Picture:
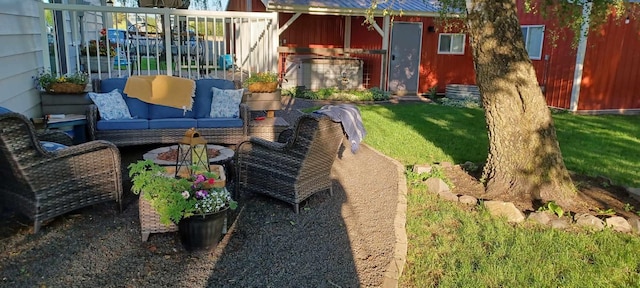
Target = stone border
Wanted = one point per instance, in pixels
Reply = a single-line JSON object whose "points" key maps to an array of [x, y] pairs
{"points": [[393, 271], [514, 215]]}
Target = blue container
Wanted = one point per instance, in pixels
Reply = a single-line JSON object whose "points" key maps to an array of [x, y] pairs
{"points": [[225, 61]]}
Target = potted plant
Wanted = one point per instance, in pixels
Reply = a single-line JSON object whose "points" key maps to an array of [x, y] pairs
{"points": [[73, 83], [196, 204], [263, 82]]}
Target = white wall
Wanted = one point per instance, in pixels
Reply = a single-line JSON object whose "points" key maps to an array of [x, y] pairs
{"points": [[20, 56]]}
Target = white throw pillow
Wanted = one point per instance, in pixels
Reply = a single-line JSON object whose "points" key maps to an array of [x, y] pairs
{"points": [[226, 103], [111, 105]]}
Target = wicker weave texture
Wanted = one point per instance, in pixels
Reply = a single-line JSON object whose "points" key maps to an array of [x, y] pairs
{"points": [[121, 138], [42, 184], [150, 220], [291, 171]]}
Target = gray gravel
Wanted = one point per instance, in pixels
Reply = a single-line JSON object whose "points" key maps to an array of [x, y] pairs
{"points": [[343, 240]]}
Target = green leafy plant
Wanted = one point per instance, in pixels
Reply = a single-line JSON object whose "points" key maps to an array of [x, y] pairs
{"points": [[178, 198], [552, 207], [332, 93], [628, 207], [44, 80], [261, 77], [432, 93], [606, 212]]}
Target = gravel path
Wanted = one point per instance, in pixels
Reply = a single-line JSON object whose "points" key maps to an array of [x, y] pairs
{"points": [[344, 240]]}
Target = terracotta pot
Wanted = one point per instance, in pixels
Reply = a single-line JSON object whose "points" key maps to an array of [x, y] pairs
{"points": [[66, 88], [263, 87]]}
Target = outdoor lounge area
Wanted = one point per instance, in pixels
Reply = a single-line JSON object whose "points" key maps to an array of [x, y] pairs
{"points": [[264, 235]]}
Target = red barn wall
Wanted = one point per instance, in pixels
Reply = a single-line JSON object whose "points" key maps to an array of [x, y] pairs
{"points": [[556, 68], [241, 5], [610, 70], [611, 77]]}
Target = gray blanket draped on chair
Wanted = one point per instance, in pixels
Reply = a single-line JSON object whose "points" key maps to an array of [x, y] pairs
{"points": [[349, 116]]}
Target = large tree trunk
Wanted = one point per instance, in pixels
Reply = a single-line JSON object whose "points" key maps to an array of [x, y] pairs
{"points": [[524, 161]]}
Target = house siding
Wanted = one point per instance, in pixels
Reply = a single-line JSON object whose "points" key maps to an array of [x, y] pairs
{"points": [[20, 26], [612, 68], [241, 5]]}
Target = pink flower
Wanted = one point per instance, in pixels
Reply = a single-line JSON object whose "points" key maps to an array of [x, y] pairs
{"points": [[185, 194], [211, 181], [199, 178]]}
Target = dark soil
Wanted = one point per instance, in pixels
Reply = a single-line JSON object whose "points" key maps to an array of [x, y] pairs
{"points": [[598, 194]]}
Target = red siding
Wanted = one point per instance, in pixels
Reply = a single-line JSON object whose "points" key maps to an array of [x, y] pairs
{"points": [[556, 68], [612, 68], [241, 5], [363, 38], [318, 31]]}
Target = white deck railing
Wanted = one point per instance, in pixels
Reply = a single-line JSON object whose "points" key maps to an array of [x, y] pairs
{"points": [[152, 41]]}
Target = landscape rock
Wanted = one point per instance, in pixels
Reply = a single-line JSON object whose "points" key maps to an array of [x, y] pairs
{"points": [[468, 200], [542, 217], [446, 164], [635, 225], [504, 209], [447, 195], [436, 185], [560, 223], [618, 223], [421, 168], [589, 221]]}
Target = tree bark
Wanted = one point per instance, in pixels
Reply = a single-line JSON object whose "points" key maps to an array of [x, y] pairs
{"points": [[524, 161]]}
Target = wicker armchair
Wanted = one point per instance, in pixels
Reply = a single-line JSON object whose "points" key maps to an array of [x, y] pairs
{"points": [[295, 167], [42, 184]]}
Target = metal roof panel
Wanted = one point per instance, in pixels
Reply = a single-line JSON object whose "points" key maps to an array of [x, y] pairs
{"points": [[407, 6]]}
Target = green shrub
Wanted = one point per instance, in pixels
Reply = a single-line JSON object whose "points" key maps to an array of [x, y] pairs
{"points": [[332, 93]]}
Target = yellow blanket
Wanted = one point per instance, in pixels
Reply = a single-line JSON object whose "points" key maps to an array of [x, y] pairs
{"points": [[162, 90]]}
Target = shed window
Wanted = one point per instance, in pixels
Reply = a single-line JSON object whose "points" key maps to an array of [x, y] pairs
{"points": [[533, 37], [451, 43]]}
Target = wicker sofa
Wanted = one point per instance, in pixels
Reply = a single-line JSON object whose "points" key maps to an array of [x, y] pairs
{"points": [[156, 124]]}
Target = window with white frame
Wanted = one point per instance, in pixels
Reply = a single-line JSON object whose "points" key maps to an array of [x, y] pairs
{"points": [[533, 37], [449, 43]]}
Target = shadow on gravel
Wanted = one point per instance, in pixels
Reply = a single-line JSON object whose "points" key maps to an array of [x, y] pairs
{"points": [[268, 245]]}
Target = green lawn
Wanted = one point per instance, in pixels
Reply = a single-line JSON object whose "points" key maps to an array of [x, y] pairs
{"points": [[427, 133], [452, 247]]}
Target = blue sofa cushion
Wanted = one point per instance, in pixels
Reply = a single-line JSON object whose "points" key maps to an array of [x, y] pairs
{"points": [[137, 108], [202, 101], [172, 123], [52, 146], [128, 124], [219, 123], [4, 110], [164, 112]]}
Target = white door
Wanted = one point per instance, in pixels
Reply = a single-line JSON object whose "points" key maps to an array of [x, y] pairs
{"points": [[404, 59]]}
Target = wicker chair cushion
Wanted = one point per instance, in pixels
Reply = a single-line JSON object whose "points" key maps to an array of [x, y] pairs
{"points": [[4, 110], [111, 105], [226, 103], [52, 146]]}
